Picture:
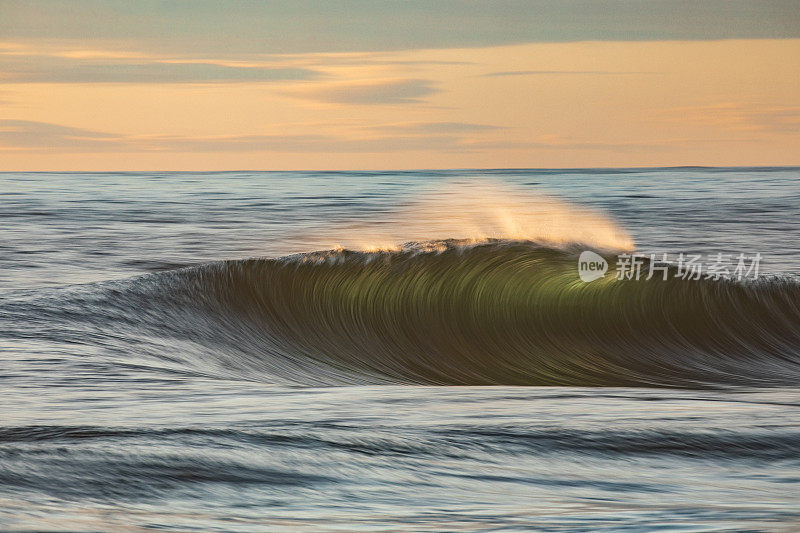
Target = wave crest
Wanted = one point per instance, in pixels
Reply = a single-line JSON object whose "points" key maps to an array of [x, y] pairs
{"points": [[479, 211]]}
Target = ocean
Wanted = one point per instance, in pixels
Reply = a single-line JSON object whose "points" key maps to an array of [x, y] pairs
{"points": [[401, 350]]}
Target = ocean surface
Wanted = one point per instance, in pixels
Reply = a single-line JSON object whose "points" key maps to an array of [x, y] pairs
{"points": [[400, 351]]}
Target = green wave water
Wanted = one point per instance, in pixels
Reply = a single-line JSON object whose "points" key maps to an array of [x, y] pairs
{"points": [[499, 312]]}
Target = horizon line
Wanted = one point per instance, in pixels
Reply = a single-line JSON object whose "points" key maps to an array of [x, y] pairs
{"points": [[443, 169]]}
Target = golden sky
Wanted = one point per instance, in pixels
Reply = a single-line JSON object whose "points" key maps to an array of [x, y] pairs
{"points": [[77, 102]]}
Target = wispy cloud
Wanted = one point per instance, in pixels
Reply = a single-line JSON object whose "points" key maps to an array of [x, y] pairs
{"points": [[557, 142], [310, 144], [423, 128], [369, 92], [738, 116], [16, 135], [37, 68], [29, 134], [35, 136], [559, 72]]}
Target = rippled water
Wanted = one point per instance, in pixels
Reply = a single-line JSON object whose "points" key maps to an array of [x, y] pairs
{"points": [[164, 365]]}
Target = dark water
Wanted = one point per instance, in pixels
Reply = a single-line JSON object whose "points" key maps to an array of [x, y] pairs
{"points": [[173, 357]]}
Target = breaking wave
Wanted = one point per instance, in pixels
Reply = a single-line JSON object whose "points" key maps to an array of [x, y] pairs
{"points": [[450, 313]]}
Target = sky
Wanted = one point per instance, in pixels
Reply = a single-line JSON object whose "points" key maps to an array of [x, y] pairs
{"points": [[215, 85]]}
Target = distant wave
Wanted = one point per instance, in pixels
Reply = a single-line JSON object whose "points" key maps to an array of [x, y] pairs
{"points": [[446, 313]]}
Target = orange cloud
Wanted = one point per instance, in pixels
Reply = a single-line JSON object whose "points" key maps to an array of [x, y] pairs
{"points": [[370, 92]]}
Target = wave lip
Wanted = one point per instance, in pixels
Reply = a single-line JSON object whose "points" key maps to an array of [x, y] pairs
{"points": [[458, 313]]}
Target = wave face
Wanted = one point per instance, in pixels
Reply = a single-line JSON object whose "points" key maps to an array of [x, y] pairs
{"points": [[449, 313]]}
